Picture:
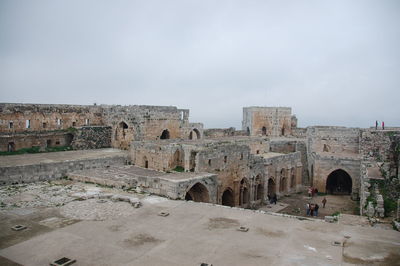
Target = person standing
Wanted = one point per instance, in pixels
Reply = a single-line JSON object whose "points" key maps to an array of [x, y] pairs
{"points": [[309, 192], [323, 202], [376, 124], [316, 210], [308, 209], [383, 125]]}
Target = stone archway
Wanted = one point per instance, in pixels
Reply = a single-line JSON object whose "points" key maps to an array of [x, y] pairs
{"points": [[271, 186], [227, 198], [339, 182], [198, 193], [194, 134], [165, 134]]}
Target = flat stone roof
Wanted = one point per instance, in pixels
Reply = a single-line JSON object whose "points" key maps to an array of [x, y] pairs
{"points": [[268, 155], [130, 171], [195, 233], [56, 157]]}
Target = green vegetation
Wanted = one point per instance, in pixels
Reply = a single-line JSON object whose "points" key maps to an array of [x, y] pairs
{"points": [[336, 213], [71, 129], [36, 149], [179, 169], [21, 151]]}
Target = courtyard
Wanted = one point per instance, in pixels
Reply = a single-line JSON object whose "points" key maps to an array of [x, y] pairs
{"points": [[97, 225]]}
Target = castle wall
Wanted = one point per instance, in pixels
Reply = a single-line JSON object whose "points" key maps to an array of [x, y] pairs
{"points": [[276, 121], [16, 118], [45, 171]]}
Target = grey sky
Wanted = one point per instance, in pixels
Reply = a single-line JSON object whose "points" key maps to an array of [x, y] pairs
{"points": [[334, 62]]}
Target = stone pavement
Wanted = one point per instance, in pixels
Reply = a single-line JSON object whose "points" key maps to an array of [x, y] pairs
{"points": [[195, 233]]}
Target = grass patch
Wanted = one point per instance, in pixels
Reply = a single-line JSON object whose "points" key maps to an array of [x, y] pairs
{"points": [[335, 214], [35, 149], [179, 169]]}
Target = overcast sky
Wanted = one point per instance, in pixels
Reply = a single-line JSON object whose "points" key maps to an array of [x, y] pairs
{"points": [[334, 62]]}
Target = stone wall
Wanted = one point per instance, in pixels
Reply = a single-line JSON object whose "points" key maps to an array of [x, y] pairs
{"points": [[17, 141], [91, 137], [50, 171], [333, 140], [15, 118], [268, 121]]}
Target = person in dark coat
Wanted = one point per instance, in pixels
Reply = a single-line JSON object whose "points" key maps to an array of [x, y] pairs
{"points": [[316, 210]]}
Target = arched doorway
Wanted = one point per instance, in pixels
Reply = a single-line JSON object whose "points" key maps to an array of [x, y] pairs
{"points": [[165, 134], [68, 139], [227, 198], [271, 186], [283, 131], [198, 193], [194, 134], [248, 131], [264, 131], [339, 182]]}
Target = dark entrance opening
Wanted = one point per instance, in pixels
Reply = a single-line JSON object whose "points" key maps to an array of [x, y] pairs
{"points": [[165, 134], [264, 131], [11, 147], [339, 182], [227, 198], [48, 143], [198, 193], [260, 192], [271, 187]]}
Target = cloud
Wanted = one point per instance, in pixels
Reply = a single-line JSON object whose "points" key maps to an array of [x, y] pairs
{"points": [[334, 63]]}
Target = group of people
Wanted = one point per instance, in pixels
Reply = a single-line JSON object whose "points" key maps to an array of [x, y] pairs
{"points": [[312, 209], [376, 125], [312, 191]]}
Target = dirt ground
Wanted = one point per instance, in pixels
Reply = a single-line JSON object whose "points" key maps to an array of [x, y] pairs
{"points": [[334, 204]]}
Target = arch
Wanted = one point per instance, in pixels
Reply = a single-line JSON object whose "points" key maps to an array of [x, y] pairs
{"points": [[123, 125], [339, 182], [165, 134], [68, 139], [283, 131], [197, 133], [11, 147], [271, 186], [264, 131], [198, 193], [227, 198]]}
